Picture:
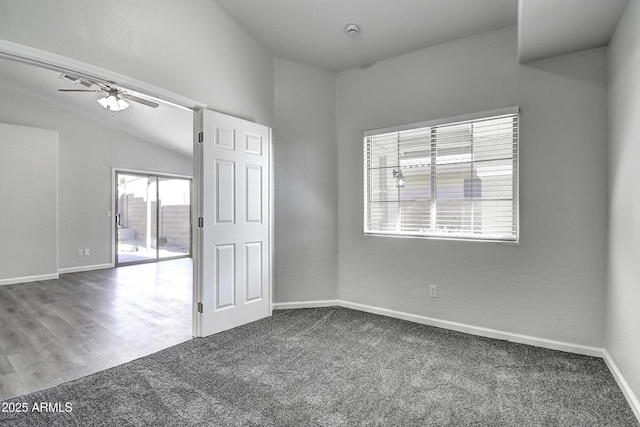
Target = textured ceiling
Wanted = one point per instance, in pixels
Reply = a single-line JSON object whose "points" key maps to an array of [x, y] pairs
{"points": [[312, 32]]}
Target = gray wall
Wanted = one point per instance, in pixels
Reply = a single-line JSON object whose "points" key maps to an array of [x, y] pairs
{"points": [[87, 152], [623, 291], [549, 286], [28, 195], [306, 191]]}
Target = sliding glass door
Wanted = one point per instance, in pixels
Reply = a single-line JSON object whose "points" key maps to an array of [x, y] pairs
{"points": [[153, 217], [174, 217]]}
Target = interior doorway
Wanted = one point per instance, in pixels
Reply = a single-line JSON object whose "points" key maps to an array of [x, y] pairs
{"points": [[153, 217], [237, 172]]}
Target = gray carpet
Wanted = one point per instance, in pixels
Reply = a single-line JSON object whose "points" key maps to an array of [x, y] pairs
{"points": [[334, 367]]}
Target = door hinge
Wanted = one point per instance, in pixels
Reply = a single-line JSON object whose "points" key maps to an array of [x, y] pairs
{"points": [[200, 222], [200, 136], [199, 307]]}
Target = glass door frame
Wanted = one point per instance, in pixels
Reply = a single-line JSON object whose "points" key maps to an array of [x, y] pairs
{"points": [[116, 172]]}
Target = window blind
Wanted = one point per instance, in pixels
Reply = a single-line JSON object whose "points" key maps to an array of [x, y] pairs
{"points": [[452, 178]]}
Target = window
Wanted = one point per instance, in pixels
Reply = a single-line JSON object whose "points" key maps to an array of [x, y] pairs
{"points": [[451, 179]]}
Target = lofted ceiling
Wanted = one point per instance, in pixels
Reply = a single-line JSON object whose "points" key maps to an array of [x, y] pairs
{"points": [[312, 32], [167, 126]]}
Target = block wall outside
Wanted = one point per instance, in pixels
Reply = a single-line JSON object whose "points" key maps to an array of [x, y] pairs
{"points": [[175, 224]]}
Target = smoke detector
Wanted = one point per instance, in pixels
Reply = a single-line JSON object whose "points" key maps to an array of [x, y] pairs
{"points": [[352, 31]]}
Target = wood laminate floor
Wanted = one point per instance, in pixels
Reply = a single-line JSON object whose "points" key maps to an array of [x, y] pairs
{"points": [[54, 331]]}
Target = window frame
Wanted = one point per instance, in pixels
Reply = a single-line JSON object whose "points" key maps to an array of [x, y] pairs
{"points": [[367, 186]]}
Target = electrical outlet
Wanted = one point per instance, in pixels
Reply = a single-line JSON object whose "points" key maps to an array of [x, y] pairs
{"points": [[433, 291], [79, 252], [87, 252]]}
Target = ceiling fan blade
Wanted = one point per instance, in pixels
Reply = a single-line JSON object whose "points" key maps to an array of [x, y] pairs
{"points": [[140, 100], [80, 90]]}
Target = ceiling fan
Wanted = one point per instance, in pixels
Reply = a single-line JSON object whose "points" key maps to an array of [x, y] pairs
{"points": [[114, 100]]}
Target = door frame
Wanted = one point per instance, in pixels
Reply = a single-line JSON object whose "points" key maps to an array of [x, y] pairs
{"points": [[114, 194]]}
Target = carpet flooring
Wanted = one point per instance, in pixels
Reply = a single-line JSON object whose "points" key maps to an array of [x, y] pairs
{"points": [[336, 367]]}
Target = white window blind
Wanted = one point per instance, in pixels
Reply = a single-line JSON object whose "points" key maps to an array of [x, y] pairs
{"points": [[452, 178]]}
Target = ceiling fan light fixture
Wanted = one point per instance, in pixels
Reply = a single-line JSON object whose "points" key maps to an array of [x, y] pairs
{"points": [[352, 31], [113, 102]]}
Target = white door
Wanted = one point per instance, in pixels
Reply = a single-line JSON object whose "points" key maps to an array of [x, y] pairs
{"points": [[233, 268]]}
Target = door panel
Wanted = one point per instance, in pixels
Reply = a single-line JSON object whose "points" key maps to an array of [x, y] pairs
{"points": [[234, 268], [225, 280], [253, 257], [253, 194], [253, 144], [225, 191]]}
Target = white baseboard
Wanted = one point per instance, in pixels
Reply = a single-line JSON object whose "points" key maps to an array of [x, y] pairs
{"points": [[622, 383], [84, 268], [305, 304], [28, 279], [38, 278], [445, 324]]}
